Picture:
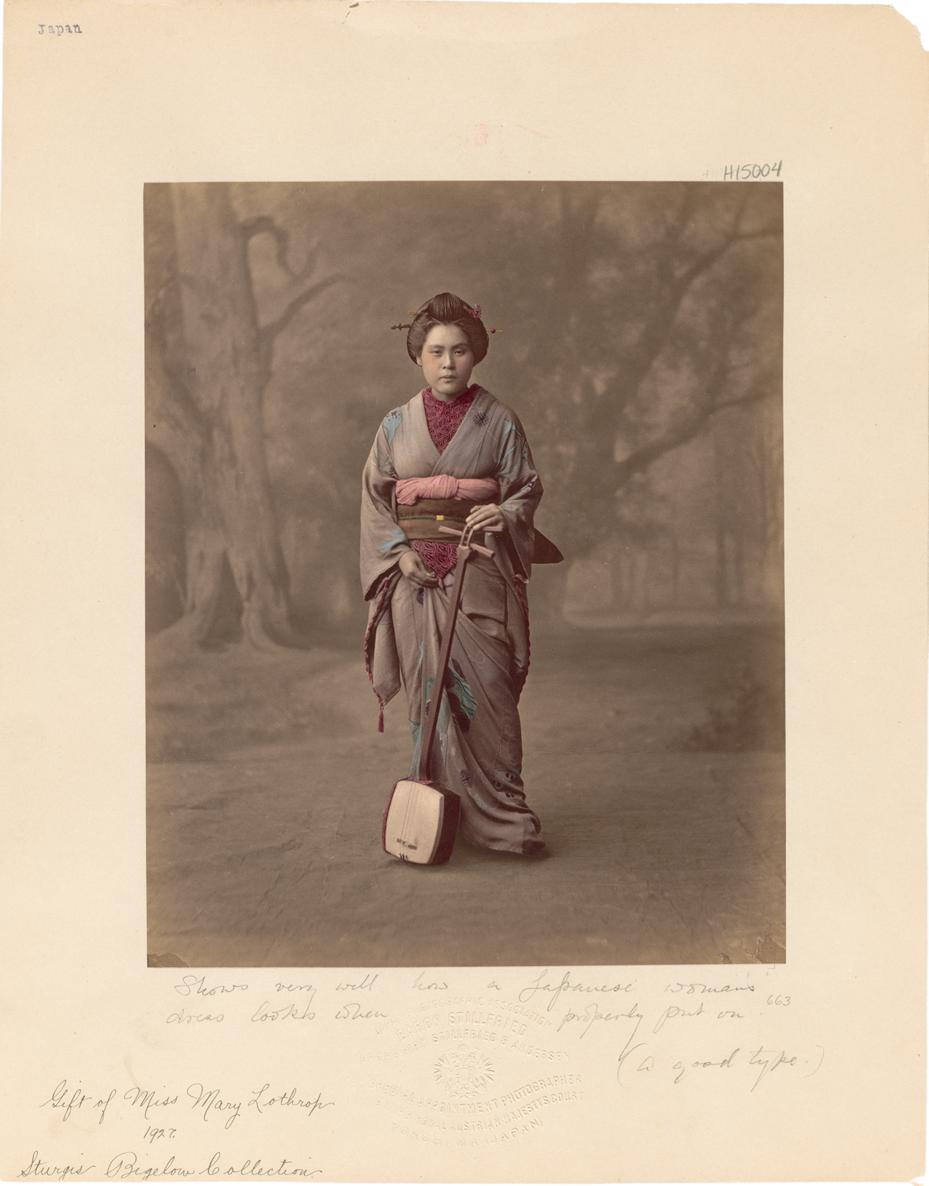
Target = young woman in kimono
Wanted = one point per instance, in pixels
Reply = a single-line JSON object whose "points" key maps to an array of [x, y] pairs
{"points": [[455, 451]]}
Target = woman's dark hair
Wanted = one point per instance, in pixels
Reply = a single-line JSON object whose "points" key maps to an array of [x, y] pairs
{"points": [[447, 309]]}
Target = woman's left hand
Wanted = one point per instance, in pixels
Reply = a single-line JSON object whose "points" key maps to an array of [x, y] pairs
{"points": [[486, 518]]}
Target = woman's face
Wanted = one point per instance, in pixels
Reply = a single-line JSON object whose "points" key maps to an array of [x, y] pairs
{"points": [[447, 361]]}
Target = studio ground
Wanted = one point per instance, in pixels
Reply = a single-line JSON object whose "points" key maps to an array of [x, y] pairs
{"points": [[652, 756]]}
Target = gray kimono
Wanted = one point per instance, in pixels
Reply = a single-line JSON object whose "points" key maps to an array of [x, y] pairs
{"points": [[478, 748]]}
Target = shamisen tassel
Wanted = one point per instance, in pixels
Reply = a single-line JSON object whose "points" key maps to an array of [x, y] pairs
{"points": [[380, 718]]}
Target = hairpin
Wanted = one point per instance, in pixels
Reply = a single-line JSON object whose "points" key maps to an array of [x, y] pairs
{"points": [[408, 325], [476, 312]]}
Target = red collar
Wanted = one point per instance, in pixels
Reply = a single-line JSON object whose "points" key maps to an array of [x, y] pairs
{"points": [[468, 391]]}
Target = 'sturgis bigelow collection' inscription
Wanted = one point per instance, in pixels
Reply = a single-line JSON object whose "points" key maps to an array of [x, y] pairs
{"points": [[440, 1065]]}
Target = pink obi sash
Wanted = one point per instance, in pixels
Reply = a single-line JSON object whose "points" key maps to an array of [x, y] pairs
{"points": [[444, 486]]}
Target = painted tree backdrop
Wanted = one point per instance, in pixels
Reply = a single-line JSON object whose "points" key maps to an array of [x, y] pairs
{"points": [[639, 341]]}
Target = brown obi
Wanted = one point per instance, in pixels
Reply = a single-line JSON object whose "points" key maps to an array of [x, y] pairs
{"points": [[422, 519]]}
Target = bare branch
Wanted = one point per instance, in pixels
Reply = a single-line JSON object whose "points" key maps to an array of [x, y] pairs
{"points": [[269, 332], [703, 264], [263, 224], [740, 214], [763, 232], [755, 396], [678, 227], [689, 425], [656, 332]]}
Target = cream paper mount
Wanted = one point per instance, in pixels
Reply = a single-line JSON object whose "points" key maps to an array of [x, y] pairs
{"points": [[797, 1057]]}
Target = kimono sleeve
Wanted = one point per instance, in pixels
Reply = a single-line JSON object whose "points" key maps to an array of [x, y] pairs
{"points": [[520, 491], [383, 541]]}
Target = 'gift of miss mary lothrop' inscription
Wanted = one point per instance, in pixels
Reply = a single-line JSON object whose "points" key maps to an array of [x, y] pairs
{"points": [[155, 1116], [445, 1062]]}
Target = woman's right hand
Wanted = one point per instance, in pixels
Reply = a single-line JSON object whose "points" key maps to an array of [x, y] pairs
{"points": [[413, 568]]}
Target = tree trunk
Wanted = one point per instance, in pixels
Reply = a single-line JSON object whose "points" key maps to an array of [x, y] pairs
{"points": [[206, 566], [617, 575], [231, 519], [720, 519], [640, 579], [738, 560]]}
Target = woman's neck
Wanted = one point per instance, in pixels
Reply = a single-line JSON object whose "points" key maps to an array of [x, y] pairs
{"points": [[449, 399]]}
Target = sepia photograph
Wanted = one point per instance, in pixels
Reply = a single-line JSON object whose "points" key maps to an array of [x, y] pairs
{"points": [[520, 442]]}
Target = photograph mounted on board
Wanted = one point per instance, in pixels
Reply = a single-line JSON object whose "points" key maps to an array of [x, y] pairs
{"points": [[546, 418]]}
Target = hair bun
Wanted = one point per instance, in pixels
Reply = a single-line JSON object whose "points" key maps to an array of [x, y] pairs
{"points": [[445, 308]]}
